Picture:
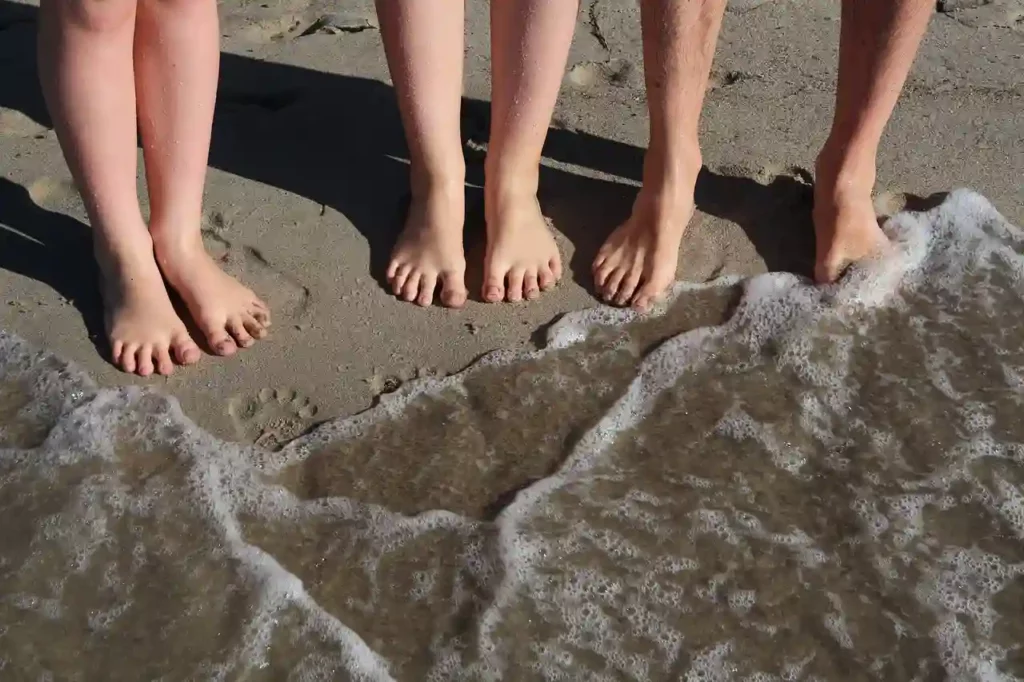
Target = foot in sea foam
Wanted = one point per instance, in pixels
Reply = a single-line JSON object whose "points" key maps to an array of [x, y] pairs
{"points": [[845, 226]]}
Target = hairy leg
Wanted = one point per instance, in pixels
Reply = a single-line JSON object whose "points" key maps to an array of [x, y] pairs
{"points": [[878, 42]]}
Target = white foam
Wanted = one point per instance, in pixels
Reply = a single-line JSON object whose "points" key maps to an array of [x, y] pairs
{"points": [[812, 333]]}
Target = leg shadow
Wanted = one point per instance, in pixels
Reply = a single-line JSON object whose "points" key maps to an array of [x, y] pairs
{"points": [[54, 249]]}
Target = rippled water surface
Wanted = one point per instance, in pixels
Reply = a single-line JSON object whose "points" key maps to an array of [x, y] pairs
{"points": [[768, 481]]}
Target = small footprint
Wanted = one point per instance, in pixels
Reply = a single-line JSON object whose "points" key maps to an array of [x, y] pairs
{"points": [[272, 417], [285, 293], [616, 72], [51, 192]]}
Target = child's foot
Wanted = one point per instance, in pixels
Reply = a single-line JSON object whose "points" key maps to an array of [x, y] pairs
{"points": [[145, 332], [429, 250], [846, 229], [522, 257], [229, 315], [638, 262]]}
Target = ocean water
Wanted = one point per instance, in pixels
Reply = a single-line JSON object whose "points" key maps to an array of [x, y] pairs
{"points": [[766, 481]]}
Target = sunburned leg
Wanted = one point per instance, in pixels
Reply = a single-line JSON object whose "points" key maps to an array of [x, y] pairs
{"points": [[638, 262], [176, 62], [529, 48], [85, 59], [879, 39], [423, 43]]}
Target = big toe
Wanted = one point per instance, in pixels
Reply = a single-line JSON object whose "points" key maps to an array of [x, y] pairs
{"points": [[184, 350], [494, 287], [453, 289], [652, 290]]}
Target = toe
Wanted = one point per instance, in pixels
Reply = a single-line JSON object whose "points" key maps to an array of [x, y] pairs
{"points": [[427, 285], [128, 352], [515, 284], [601, 259], [612, 283], [651, 291], [116, 350], [494, 287], [555, 264], [220, 342], [531, 287], [411, 288], [236, 327], [392, 270], [546, 278], [628, 286], [398, 281], [260, 312], [453, 289], [253, 326], [184, 350], [602, 273], [144, 360], [164, 365]]}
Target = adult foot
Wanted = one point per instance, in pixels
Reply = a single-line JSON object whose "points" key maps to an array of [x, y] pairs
{"points": [[637, 263], [146, 335], [845, 226], [229, 315], [429, 250], [522, 257]]}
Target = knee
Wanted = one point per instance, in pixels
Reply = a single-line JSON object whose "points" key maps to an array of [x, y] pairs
{"points": [[97, 16]]}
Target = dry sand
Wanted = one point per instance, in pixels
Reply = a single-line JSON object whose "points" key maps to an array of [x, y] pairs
{"points": [[308, 176]]}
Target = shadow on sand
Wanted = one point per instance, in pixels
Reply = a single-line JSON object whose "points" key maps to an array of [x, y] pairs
{"points": [[337, 140]]}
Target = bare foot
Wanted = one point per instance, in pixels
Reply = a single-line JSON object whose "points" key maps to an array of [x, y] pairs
{"points": [[430, 251], [846, 229], [145, 332], [229, 315], [637, 263], [522, 257]]}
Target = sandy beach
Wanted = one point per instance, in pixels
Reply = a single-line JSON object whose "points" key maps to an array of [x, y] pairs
{"points": [[308, 179], [764, 481]]}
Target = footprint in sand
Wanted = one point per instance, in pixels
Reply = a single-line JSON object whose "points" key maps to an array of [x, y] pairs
{"points": [[616, 72], [50, 192], [272, 417], [289, 299]]}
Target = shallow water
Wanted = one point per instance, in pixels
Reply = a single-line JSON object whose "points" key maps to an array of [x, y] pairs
{"points": [[768, 481]]}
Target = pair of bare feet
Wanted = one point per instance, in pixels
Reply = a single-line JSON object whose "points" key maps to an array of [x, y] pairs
{"points": [[638, 262], [145, 331], [521, 261], [635, 266]]}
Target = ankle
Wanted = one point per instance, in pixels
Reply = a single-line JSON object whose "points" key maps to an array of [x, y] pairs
{"points": [[441, 180], [845, 168], [669, 170], [174, 247], [506, 177]]}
